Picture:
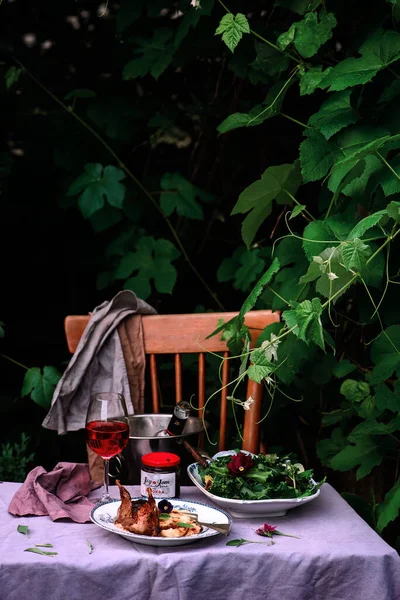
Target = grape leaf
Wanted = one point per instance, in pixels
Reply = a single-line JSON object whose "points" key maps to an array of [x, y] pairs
{"points": [[80, 93], [40, 385], [309, 34], [343, 368], [152, 261], [379, 51], [127, 13], [355, 391], [190, 19], [96, 184], [232, 27], [366, 223], [388, 510], [385, 354], [259, 113], [307, 319], [156, 55], [334, 114], [243, 268], [330, 275], [385, 399], [355, 254], [258, 288], [116, 116], [180, 196], [299, 6], [388, 180], [258, 197], [317, 237], [317, 155], [366, 452], [311, 79]]}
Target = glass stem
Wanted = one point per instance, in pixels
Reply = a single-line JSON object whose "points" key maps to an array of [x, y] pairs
{"points": [[106, 478]]}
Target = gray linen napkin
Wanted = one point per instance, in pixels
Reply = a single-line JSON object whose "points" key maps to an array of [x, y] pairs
{"points": [[98, 364], [60, 493]]}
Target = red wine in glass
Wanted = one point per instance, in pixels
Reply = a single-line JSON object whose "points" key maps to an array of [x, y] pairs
{"points": [[107, 429]]}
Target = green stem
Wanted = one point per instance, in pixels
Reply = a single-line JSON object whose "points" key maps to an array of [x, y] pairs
{"points": [[293, 119], [260, 37], [285, 85], [133, 177], [383, 159], [15, 362], [298, 203], [277, 295]]}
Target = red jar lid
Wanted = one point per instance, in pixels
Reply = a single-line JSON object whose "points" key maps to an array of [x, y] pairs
{"points": [[161, 459]]}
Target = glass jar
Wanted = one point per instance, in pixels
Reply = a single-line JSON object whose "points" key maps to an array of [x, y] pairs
{"points": [[161, 472]]}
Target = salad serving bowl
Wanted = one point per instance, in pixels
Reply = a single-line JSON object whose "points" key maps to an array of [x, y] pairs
{"points": [[248, 508]]}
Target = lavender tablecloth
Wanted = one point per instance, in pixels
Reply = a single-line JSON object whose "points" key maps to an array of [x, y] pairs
{"points": [[339, 557]]}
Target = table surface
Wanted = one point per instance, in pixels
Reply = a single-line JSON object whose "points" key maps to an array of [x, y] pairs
{"points": [[338, 557]]}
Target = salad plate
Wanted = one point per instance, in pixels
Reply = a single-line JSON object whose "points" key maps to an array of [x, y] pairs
{"points": [[242, 509], [105, 514]]}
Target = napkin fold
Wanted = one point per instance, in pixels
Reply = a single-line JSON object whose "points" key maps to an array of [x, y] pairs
{"points": [[60, 493]]}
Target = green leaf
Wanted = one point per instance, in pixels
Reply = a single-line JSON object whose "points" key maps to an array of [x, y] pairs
{"points": [[311, 79], [298, 209], [317, 237], [258, 288], [299, 6], [259, 113], [388, 510], [367, 453], [156, 55], [11, 76], [258, 197], [307, 319], [24, 529], [116, 116], [128, 13], [379, 51], [337, 416], [43, 545], [90, 546], [261, 367], [355, 391], [80, 93], [232, 27], [180, 196], [243, 268], [366, 223], [42, 552], [96, 184], [393, 211], [334, 114], [355, 254], [151, 261], [317, 155], [385, 354], [309, 34], [389, 182], [40, 385], [330, 275], [328, 448], [268, 62], [343, 368], [391, 92], [370, 427], [239, 542], [294, 356], [385, 399]]}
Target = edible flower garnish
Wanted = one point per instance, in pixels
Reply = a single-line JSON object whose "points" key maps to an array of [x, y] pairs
{"points": [[270, 530], [164, 506], [239, 463]]}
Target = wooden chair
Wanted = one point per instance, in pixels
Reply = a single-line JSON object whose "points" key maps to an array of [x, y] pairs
{"points": [[183, 334]]}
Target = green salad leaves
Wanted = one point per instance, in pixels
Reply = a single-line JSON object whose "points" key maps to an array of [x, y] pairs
{"points": [[257, 477]]}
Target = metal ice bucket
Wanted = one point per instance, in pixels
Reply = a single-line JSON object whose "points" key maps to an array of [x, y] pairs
{"points": [[143, 439]]}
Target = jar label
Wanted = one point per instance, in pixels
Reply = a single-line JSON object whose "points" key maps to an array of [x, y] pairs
{"points": [[163, 485]]}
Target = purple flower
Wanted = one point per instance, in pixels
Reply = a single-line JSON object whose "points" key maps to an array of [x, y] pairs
{"points": [[239, 463], [164, 506], [266, 530]]}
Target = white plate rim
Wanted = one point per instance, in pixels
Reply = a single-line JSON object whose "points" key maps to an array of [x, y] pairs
{"points": [[158, 540]]}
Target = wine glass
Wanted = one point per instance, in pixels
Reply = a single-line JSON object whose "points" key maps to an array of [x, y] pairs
{"points": [[107, 429]]}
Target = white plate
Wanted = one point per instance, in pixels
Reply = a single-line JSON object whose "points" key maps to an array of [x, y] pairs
{"points": [[105, 515], [248, 508]]}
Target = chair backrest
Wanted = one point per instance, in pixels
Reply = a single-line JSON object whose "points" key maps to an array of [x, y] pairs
{"points": [[186, 333]]}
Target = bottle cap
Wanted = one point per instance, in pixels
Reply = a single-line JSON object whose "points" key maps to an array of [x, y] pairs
{"points": [[161, 459], [182, 409]]}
